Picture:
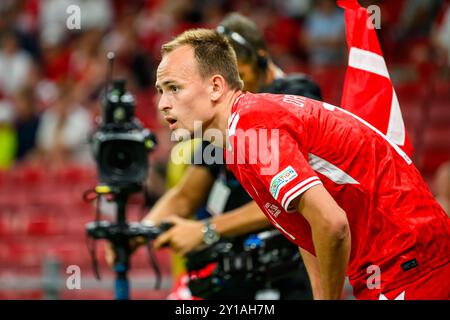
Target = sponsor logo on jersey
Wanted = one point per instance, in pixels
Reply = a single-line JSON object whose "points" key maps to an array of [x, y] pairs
{"points": [[409, 264], [272, 209], [281, 179]]}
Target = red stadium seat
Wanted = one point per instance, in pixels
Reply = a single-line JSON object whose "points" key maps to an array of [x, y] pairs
{"points": [[33, 294], [45, 225], [432, 158], [437, 136], [439, 113]]}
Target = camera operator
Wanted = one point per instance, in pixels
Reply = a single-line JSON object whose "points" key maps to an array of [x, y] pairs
{"points": [[234, 214]]}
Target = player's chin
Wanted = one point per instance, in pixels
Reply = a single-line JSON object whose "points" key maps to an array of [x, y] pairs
{"points": [[181, 134]]}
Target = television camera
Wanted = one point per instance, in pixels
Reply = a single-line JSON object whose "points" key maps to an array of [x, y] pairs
{"points": [[120, 148]]}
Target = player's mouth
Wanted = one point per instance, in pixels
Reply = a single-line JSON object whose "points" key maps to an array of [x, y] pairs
{"points": [[172, 122]]}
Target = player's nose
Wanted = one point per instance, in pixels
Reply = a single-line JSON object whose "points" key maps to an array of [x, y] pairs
{"points": [[164, 104]]}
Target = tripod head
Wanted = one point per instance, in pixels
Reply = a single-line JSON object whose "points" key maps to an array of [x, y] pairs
{"points": [[120, 234]]}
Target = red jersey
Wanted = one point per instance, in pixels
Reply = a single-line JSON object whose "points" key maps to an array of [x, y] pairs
{"points": [[282, 145]]}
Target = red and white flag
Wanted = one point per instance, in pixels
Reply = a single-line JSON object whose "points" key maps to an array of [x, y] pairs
{"points": [[368, 91]]}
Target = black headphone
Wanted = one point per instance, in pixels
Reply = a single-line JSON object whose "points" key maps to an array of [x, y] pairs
{"points": [[261, 60]]}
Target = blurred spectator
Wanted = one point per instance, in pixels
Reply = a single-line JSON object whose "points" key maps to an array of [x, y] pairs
{"points": [[55, 61], [154, 26], [87, 66], [294, 8], [123, 40], [441, 36], [53, 17], [413, 30], [63, 131], [282, 33], [45, 90], [417, 18], [7, 135], [15, 64], [324, 34], [26, 121], [21, 16], [442, 186]]}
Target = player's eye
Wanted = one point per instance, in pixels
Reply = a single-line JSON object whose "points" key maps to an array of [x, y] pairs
{"points": [[174, 88]]}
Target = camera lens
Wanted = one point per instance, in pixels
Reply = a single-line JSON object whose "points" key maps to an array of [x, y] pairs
{"points": [[119, 156], [120, 160]]}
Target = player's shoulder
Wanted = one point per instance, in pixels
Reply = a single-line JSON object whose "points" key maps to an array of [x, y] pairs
{"points": [[259, 109], [255, 102]]}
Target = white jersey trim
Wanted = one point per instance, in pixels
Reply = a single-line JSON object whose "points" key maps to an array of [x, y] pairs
{"points": [[329, 170], [396, 147], [296, 188], [231, 118], [298, 193], [401, 296], [233, 125]]}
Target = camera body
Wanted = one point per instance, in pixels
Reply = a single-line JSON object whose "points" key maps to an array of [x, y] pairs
{"points": [[261, 260], [121, 145]]}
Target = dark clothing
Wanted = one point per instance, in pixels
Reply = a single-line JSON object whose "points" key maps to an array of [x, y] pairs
{"points": [[237, 196], [26, 136], [295, 84]]}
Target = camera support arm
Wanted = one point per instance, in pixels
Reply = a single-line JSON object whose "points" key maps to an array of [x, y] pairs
{"points": [[120, 234]]}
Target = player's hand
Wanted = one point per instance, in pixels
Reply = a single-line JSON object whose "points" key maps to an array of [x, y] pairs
{"points": [[184, 236], [110, 255]]}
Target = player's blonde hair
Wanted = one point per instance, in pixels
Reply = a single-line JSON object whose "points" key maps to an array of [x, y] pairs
{"points": [[213, 53]]}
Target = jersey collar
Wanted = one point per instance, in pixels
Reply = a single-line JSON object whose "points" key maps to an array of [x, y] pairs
{"points": [[233, 108]]}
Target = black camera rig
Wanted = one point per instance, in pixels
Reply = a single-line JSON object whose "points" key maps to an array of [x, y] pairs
{"points": [[120, 147], [262, 258]]}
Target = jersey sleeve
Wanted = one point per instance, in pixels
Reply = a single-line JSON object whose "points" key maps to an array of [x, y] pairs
{"points": [[279, 161]]}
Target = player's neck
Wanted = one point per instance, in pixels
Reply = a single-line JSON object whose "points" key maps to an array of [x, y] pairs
{"points": [[223, 113]]}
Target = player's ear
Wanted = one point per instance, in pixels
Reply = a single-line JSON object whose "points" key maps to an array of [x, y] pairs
{"points": [[217, 88]]}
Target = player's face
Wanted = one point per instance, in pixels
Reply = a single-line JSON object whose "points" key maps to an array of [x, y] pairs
{"points": [[249, 76], [184, 97]]}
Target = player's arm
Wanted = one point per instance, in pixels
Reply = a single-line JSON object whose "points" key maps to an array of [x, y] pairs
{"points": [[187, 235], [245, 219], [331, 238], [186, 197]]}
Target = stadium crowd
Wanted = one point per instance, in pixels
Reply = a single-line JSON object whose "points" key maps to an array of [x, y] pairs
{"points": [[52, 74]]}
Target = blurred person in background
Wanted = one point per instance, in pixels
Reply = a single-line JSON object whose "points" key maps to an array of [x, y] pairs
{"points": [[87, 65], [413, 30], [441, 36], [123, 40], [26, 121], [324, 34], [63, 131], [53, 16], [416, 19], [15, 63], [442, 186], [8, 141]]}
